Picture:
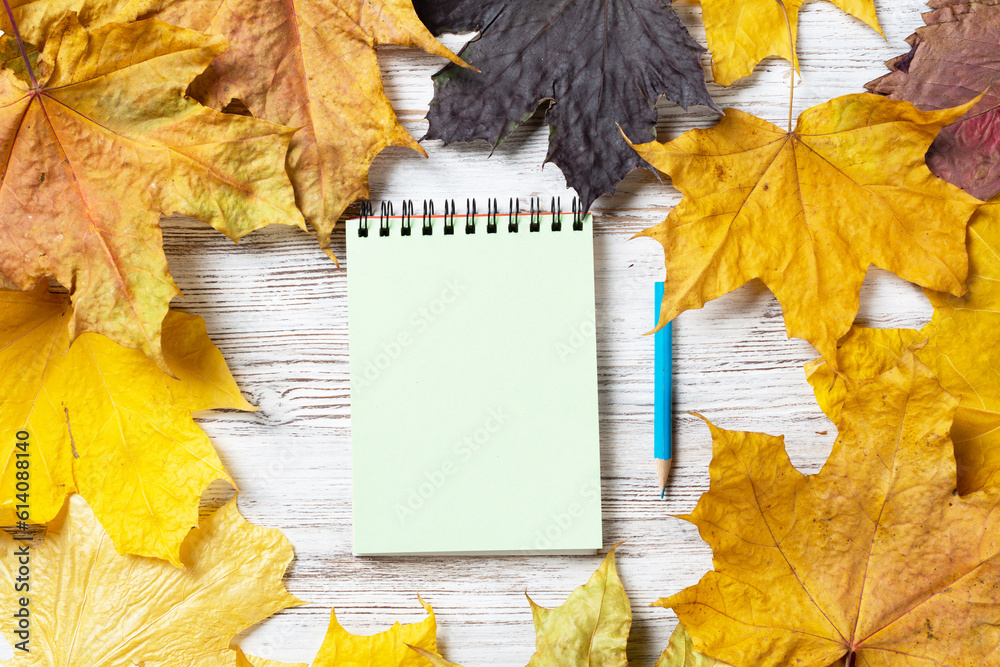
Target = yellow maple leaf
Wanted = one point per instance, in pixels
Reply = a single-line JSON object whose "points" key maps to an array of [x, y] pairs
{"points": [[36, 18], [399, 646], [101, 146], [680, 653], [960, 349], [590, 628], [390, 648], [88, 605], [103, 420], [311, 64], [874, 558], [741, 33], [807, 212], [244, 660], [434, 659]]}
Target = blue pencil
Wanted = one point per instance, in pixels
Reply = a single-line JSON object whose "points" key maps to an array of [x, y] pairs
{"points": [[663, 358]]}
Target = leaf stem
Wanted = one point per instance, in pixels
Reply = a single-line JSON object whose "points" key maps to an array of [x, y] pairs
{"points": [[20, 45], [791, 46]]}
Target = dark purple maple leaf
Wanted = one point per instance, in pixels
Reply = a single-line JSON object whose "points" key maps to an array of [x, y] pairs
{"points": [[952, 59], [599, 63]]}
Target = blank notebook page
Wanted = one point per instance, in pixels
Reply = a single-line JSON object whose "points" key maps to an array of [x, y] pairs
{"points": [[474, 418]]}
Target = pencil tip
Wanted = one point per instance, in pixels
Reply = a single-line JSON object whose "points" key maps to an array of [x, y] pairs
{"points": [[662, 474]]}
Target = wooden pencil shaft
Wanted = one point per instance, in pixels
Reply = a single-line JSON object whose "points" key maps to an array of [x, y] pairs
{"points": [[663, 385]]}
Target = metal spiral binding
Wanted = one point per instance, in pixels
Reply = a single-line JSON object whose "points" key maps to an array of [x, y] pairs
{"points": [[383, 221], [407, 227], [366, 213], [449, 218], [426, 228], [470, 220], [492, 215]]}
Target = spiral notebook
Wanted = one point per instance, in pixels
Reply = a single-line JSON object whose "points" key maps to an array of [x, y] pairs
{"points": [[474, 418]]}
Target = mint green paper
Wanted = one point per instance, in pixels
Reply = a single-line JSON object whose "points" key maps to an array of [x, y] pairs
{"points": [[474, 418]]}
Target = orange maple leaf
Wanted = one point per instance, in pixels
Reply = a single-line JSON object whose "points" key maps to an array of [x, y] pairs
{"points": [[101, 144], [875, 557], [36, 18], [311, 64]]}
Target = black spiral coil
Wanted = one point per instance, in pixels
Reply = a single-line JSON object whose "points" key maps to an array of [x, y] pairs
{"points": [[492, 215], [383, 221], [364, 216]]}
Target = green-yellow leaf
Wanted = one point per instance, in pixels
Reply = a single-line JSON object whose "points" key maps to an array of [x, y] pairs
{"points": [[590, 628], [680, 653]]}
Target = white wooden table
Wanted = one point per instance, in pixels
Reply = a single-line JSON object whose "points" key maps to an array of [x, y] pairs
{"points": [[277, 308]]}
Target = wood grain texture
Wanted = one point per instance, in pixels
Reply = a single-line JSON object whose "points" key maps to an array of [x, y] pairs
{"points": [[277, 308]]}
